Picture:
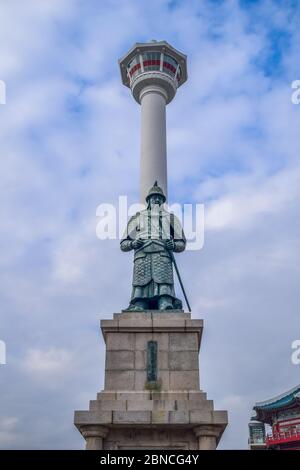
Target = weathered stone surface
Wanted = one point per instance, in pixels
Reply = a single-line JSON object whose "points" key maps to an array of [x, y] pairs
{"points": [[160, 416], [170, 316], [220, 417], [197, 395], [192, 324], [119, 360], [141, 341], [179, 417], [163, 324], [183, 342], [134, 321], [183, 360], [184, 380], [163, 360], [92, 417], [164, 377], [104, 395], [168, 405], [143, 317], [201, 416], [140, 379], [170, 395], [194, 405], [140, 405], [140, 361], [119, 380], [132, 417], [120, 341], [107, 405], [133, 395], [109, 324], [160, 438], [162, 341]]}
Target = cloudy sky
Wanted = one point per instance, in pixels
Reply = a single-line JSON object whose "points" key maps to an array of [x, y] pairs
{"points": [[69, 136]]}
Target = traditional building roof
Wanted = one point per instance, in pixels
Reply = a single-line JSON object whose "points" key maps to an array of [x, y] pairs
{"points": [[265, 409]]}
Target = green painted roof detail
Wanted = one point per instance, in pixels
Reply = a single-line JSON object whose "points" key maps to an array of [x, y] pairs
{"points": [[280, 401]]}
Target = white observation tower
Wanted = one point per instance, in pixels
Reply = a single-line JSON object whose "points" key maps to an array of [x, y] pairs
{"points": [[153, 71]]}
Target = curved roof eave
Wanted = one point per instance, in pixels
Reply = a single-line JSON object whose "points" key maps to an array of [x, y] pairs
{"points": [[279, 401]]}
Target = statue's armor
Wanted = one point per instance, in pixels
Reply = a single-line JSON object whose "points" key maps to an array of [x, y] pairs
{"points": [[153, 272], [152, 263]]}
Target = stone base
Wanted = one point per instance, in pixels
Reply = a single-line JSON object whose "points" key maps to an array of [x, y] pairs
{"points": [[133, 413]]}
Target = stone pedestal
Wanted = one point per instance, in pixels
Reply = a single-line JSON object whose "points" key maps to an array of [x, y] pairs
{"points": [[151, 400]]}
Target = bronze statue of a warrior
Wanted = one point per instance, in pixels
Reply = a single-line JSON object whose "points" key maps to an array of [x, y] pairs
{"points": [[153, 234]]}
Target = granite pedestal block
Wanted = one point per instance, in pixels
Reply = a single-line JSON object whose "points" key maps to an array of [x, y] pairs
{"points": [[169, 412]]}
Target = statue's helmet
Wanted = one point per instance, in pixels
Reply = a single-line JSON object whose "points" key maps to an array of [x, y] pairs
{"points": [[155, 190]]}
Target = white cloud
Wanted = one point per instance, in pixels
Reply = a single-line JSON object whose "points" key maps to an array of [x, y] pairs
{"points": [[49, 361], [8, 427], [255, 199]]}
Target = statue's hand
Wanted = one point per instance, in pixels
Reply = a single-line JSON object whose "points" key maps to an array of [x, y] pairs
{"points": [[170, 245], [137, 243]]}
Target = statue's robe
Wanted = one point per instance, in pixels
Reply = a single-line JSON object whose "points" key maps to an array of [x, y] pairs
{"points": [[153, 270]]}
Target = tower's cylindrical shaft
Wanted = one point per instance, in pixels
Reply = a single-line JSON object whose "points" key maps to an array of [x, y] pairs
{"points": [[153, 165]]}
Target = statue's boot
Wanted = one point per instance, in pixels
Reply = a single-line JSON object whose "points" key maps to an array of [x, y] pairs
{"points": [[138, 306], [165, 302]]}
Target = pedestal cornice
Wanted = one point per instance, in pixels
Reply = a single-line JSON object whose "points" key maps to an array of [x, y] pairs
{"points": [[153, 321]]}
